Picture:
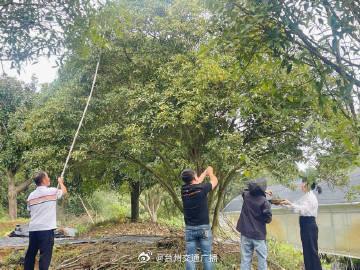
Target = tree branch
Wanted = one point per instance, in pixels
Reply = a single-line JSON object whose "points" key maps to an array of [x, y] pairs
{"points": [[160, 180], [314, 51]]}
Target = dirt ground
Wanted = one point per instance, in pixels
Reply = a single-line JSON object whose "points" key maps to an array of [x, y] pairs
{"points": [[123, 226], [165, 254], [168, 253]]}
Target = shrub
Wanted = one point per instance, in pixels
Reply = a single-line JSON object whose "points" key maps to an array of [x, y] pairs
{"points": [[3, 213], [109, 204], [284, 256]]}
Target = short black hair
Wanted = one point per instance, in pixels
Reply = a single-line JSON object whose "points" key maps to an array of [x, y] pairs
{"points": [[312, 186], [188, 175], [317, 187], [39, 176]]}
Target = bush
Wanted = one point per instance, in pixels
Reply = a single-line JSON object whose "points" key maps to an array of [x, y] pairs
{"points": [[15, 258], [109, 204], [284, 256], [3, 213], [82, 229], [175, 222]]}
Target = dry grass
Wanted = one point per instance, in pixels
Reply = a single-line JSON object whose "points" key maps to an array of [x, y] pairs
{"points": [[8, 226]]}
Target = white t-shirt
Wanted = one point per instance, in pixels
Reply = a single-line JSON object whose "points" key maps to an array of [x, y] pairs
{"points": [[42, 206], [306, 206]]}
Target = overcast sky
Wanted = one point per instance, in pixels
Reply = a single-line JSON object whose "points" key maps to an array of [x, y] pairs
{"points": [[44, 70]]}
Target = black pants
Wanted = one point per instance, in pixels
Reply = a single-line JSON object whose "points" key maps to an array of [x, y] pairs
{"points": [[43, 241], [309, 238]]}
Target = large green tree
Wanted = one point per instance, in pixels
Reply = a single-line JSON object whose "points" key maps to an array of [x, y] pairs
{"points": [[16, 101], [322, 35], [29, 29], [195, 114], [162, 106]]}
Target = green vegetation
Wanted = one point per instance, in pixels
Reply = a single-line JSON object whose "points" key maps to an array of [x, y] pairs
{"points": [[248, 87], [41, 29], [7, 226], [175, 222], [284, 256], [175, 91], [3, 213]]}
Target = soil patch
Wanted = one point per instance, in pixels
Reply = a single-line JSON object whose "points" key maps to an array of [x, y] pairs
{"points": [[124, 226]]}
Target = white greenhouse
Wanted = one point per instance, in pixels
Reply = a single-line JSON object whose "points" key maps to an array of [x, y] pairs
{"points": [[338, 219]]}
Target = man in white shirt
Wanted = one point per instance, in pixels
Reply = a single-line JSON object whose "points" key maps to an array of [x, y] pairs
{"points": [[42, 206]]}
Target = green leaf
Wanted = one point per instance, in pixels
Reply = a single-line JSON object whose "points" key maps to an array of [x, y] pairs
{"points": [[308, 123]]}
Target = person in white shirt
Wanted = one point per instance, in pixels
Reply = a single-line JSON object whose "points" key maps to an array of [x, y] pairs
{"points": [[42, 206], [307, 208]]}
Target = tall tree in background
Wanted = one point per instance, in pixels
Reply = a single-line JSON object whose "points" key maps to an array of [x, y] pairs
{"points": [[29, 29], [323, 35], [16, 101]]}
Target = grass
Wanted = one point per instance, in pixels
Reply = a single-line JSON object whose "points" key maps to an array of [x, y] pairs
{"points": [[284, 256], [7, 226], [175, 222]]}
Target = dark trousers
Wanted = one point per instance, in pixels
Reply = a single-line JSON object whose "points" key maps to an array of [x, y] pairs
{"points": [[43, 241], [309, 238]]}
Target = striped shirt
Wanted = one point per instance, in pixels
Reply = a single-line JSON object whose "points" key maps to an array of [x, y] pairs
{"points": [[42, 206]]}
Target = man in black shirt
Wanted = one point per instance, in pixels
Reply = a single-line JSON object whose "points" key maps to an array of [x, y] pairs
{"points": [[196, 216]]}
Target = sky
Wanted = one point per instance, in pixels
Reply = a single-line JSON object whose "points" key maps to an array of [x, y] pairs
{"points": [[44, 70]]}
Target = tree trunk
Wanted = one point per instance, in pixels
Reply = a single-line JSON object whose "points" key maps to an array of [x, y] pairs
{"points": [[135, 196], [162, 182], [154, 217], [12, 196], [215, 223], [151, 202], [220, 196], [13, 191]]}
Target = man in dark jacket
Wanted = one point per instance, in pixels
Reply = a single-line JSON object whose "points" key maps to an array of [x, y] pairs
{"points": [[255, 213]]}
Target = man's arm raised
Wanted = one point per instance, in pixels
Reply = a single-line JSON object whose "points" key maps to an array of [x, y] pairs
{"points": [[62, 187], [213, 178], [202, 176]]}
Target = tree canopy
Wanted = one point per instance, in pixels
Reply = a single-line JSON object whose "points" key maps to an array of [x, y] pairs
{"points": [[16, 101], [245, 86], [29, 29], [322, 35]]}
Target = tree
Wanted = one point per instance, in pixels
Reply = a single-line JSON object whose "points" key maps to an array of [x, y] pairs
{"points": [[162, 106], [29, 29], [16, 100], [324, 36], [317, 33], [197, 114], [151, 201]]}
